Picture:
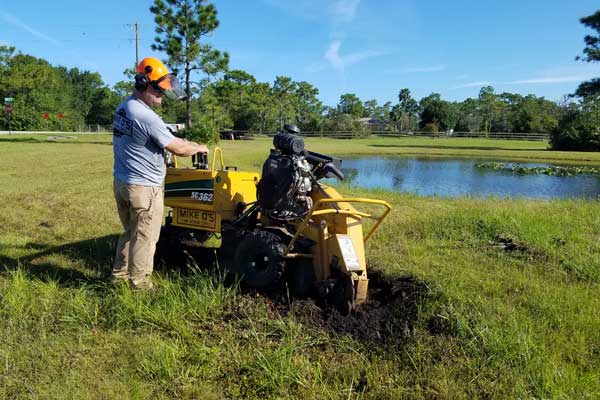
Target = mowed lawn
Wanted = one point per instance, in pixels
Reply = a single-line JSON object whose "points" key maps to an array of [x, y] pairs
{"points": [[492, 298]]}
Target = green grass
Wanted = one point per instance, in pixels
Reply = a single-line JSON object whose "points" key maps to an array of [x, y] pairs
{"points": [[492, 324]]}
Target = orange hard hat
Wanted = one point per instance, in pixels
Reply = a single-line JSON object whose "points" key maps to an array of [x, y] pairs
{"points": [[153, 68], [151, 72]]}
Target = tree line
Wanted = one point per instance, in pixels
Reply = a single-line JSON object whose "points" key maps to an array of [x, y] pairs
{"points": [[40, 90], [234, 99]]}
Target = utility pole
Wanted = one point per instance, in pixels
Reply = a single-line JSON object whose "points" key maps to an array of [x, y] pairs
{"points": [[137, 41]]}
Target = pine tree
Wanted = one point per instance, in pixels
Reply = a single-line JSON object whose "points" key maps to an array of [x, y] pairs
{"points": [[591, 53], [180, 26]]}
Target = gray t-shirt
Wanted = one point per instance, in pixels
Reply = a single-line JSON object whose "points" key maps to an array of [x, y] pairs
{"points": [[139, 139]]}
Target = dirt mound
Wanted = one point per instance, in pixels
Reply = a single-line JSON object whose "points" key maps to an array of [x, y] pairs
{"points": [[386, 318]]}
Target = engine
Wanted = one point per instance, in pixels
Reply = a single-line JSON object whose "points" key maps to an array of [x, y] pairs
{"points": [[284, 189], [290, 174]]}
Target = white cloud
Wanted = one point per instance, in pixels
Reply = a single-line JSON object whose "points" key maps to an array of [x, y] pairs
{"points": [[337, 13], [551, 79], [473, 84], [11, 19], [332, 55], [572, 69], [341, 62], [543, 80]]}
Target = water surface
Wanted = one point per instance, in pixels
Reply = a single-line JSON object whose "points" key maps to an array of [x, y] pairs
{"points": [[452, 177]]}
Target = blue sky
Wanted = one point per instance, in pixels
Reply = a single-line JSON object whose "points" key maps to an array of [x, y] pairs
{"points": [[369, 47]]}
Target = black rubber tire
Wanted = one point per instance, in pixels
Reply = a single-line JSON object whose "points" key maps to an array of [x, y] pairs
{"points": [[169, 250], [259, 260]]}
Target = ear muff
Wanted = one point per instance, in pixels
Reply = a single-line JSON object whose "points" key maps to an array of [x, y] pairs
{"points": [[141, 82]]}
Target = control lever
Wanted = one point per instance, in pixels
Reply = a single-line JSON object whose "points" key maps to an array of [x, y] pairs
{"points": [[200, 160]]}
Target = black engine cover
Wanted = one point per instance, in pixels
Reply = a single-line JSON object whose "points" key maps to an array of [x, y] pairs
{"points": [[276, 181]]}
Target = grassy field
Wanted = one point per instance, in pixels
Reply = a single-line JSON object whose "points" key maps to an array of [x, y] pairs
{"points": [[493, 298]]}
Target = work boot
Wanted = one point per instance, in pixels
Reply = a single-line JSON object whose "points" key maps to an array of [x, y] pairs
{"points": [[117, 279], [145, 285]]}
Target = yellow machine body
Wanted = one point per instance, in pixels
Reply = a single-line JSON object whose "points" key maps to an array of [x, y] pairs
{"points": [[205, 199], [202, 199], [336, 227]]}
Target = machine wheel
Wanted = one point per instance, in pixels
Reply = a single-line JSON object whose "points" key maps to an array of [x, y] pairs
{"points": [[259, 260], [169, 249]]}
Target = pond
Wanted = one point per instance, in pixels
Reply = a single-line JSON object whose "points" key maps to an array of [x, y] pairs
{"points": [[461, 177]]}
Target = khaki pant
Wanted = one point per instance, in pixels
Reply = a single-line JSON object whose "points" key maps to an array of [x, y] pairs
{"points": [[140, 211]]}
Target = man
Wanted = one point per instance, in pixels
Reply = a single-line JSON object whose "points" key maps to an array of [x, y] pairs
{"points": [[139, 139]]}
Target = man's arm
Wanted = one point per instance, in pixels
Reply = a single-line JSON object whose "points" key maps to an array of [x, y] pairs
{"points": [[181, 147]]}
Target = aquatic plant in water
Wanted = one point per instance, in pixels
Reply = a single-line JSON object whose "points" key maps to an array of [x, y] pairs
{"points": [[552, 170]]}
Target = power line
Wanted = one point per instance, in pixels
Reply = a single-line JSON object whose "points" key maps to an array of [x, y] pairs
{"points": [[88, 38]]}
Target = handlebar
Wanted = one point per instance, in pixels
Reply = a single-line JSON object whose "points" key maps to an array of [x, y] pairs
{"points": [[200, 160], [314, 211]]}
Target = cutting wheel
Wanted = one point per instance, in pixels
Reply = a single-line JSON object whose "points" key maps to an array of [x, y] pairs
{"points": [[342, 295]]}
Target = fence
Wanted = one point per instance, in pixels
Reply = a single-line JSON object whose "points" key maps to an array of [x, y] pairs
{"points": [[350, 135], [95, 128], [531, 136]]}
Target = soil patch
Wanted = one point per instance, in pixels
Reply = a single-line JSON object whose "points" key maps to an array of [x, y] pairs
{"points": [[386, 318]]}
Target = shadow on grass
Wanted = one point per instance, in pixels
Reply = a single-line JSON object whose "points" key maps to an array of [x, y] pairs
{"points": [[433, 146], [94, 255], [21, 140]]}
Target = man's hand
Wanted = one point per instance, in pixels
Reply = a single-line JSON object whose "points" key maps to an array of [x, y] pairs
{"points": [[202, 148], [181, 147]]}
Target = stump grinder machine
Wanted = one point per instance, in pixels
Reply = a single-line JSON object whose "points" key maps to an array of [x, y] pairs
{"points": [[281, 229]]}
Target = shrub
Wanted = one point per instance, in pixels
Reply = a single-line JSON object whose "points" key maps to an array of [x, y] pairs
{"points": [[204, 131], [579, 129], [431, 127]]}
